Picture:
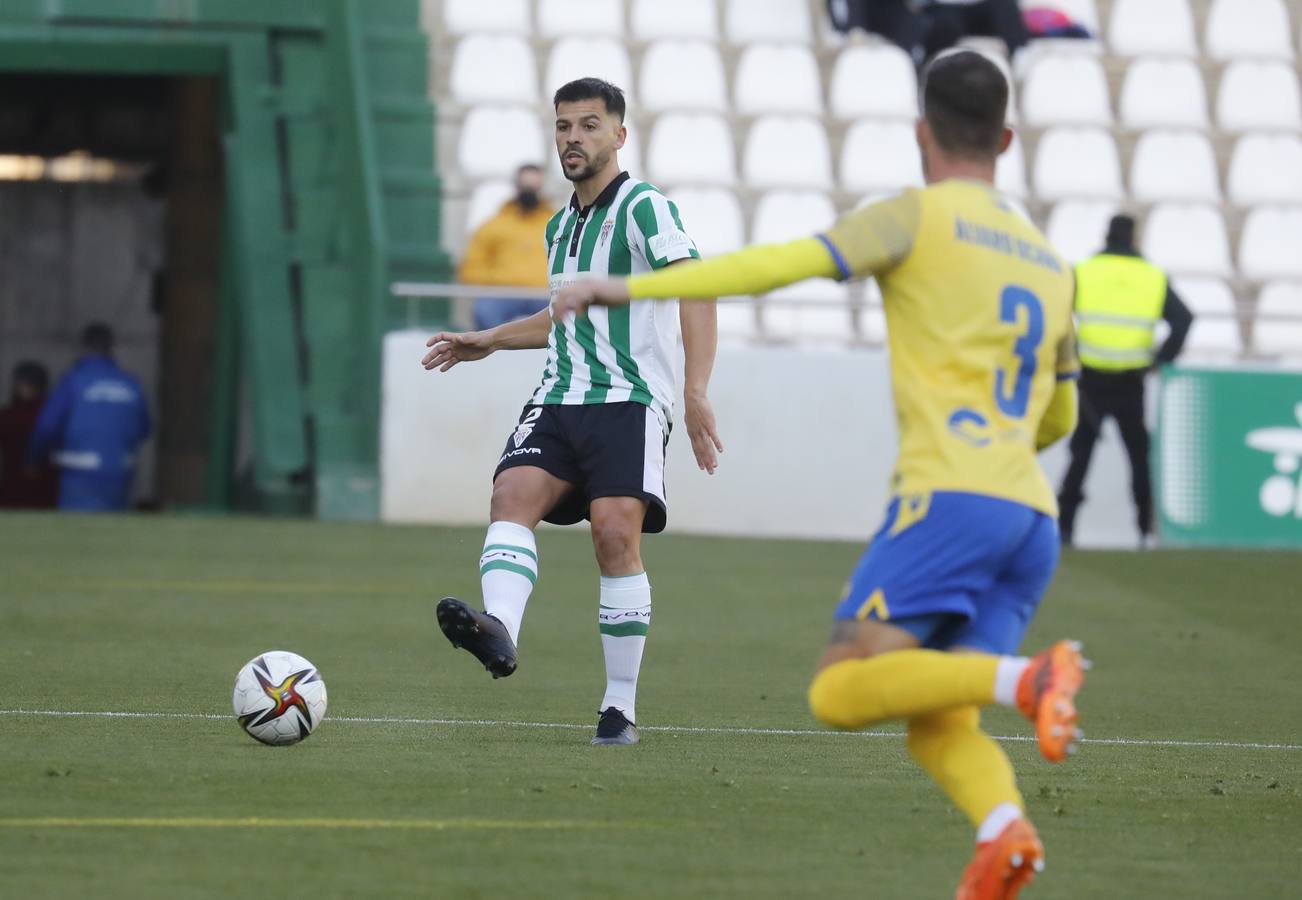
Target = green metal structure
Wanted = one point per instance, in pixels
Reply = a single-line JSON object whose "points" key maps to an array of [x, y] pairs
{"points": [[331, 194]]}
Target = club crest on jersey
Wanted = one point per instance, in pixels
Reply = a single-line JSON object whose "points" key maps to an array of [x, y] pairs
{"points": [[606, 228]]}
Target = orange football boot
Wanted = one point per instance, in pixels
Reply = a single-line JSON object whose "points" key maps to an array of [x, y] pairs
{"points": [[1046, 694], [1002, 867]]}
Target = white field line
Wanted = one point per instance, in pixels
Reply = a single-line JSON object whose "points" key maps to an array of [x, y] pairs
{"points": [[672, 729]]}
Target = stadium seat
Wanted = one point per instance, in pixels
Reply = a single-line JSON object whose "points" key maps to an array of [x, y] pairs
{"points": [[683, 75], [565, 18], [483, 153], [1269, 246], [784, 216], [493, 68], [1010, 170], [1259, 96], [873, 81], [1076, 228], [630, 155], [1164, 93], [750, 21], [1066, 89], [787, 152], [1266, 168], [485, 200], [1239, 28], [693, 148], [880, 157], [1210, 297], [1188, 239], [777, 78], [1215, 333], [1152, 28], [1077, 163], [1174, 165], [1277, 328], [712, 216], [465, 16], [579, 57], [657, 19]]}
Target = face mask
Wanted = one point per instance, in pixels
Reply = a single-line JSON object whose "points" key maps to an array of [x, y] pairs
{"points": [[528, 200]]}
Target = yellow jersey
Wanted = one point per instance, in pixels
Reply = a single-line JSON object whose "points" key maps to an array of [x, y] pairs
{"points": [[979, 324]]}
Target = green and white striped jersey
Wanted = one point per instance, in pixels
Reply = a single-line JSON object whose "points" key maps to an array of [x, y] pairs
{"points": [[626, 353]]}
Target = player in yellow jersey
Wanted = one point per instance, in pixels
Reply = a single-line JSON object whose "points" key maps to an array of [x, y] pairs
{"points": [[978, 309]]}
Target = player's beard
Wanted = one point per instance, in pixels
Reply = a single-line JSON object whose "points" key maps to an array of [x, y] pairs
{"points": [[592, 167]]}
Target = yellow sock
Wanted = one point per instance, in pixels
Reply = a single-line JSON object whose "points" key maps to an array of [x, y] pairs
{"points": [[855, 693], [964, 761]]}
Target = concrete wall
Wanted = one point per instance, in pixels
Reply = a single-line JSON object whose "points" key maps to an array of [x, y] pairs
{"points": [[809, 438]]}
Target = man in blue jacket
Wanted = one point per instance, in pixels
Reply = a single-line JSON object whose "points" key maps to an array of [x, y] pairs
{"points": [[93, 423]]}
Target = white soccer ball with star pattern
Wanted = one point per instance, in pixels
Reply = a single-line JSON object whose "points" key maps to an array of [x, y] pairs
{"points": [[279, 698]]}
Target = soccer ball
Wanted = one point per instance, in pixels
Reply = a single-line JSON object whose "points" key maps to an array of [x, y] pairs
{"points": [[279, 697]]}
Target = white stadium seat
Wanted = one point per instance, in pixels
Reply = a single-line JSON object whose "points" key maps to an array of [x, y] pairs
{"points": [[493, 68], [496, 140], [683, 75], [1277, 329], [784, 216], [580, 57], [1010, 170], [1164, 93], [748, 21], [656, 19], [564, 18], [778, 78], [1077, 163], [712, 216], [1238, 28], [1076, 228], [1259, 96], [485, 200], [1152, 28], [1215, 333], [1174, 165], [873, 81], [630, 155], [1269, 246], [787, 151], [880, 156], [691, 148], [1188, 239], [1266, 168], [465, 16], [1066, 89]]}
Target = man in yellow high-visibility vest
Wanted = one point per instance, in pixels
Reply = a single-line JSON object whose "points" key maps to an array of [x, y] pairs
{"points": [[1120, 297]]}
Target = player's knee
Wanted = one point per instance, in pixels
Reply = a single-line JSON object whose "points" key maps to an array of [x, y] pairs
{"points": [[616, 543]]}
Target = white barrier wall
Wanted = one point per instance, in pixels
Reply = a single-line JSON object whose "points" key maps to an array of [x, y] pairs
{"points": [[809, 438]]}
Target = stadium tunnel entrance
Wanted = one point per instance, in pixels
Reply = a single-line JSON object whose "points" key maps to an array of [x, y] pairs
{"points": [[277, 174], [111, 207]]}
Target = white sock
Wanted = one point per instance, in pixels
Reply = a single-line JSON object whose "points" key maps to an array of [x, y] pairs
{"points": [[507, 573], [997, 821], [624, 619], [1007, 675]]}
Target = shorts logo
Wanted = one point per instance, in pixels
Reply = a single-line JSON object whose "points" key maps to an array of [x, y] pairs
{"points": [[525, 428], [526, 451]]}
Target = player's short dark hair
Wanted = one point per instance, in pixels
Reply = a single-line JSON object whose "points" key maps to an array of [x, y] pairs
{"points": [[32, 374], [97, 338], [965, 100], [592, 89]]}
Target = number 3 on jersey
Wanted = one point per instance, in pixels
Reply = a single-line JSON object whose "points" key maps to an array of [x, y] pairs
{"points": [[1013, 400]]}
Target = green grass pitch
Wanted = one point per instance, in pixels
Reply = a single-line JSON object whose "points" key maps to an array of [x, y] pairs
{"points": [[1200, 649]]}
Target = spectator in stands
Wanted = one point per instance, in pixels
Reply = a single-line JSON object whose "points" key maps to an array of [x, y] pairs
{"points": [[1050, 22], [945, 22], [23, 486], [93, 423], [507, 251], [1119, 298], [895, 20]]}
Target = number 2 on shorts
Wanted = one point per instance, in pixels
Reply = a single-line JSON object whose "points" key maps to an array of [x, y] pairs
{"points": [[1013, 403]]}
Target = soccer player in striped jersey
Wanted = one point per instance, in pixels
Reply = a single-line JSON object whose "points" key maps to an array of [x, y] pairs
{"points": [[590, 443], [979, 317]]}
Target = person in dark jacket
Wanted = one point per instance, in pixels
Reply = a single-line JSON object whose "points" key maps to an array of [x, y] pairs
{"points": [[23, 486], [1120, 297], [92, 424]]}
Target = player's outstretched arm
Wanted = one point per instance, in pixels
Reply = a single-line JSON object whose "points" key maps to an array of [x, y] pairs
{"points": [[447, 348]]}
